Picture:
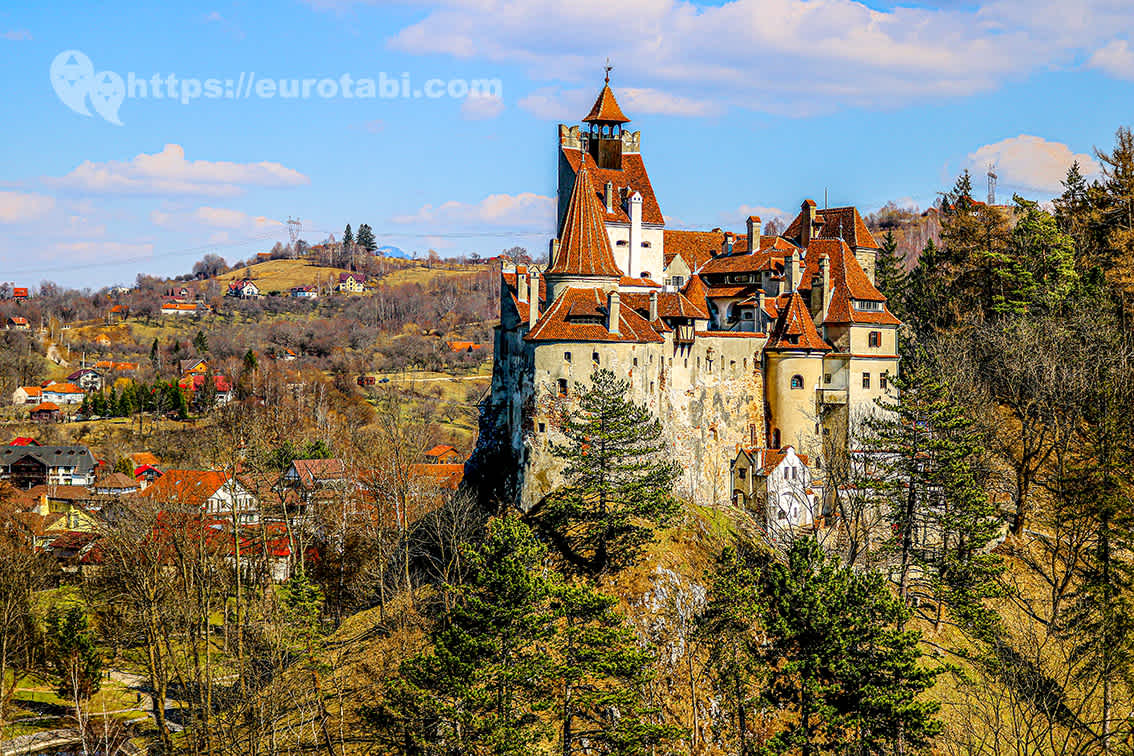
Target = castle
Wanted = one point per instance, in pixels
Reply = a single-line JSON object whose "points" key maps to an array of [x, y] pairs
{"points": [[736, 341]]}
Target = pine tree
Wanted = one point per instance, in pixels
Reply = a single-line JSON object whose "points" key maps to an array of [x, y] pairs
{"points": [[155, 357], [727, 629], [366, 239], [927, 304], [72, 653], [200, 343], [618, 485], [602, 675], [841, 670], [348, 238], [1116, 220], [928, 457], [482, 684], [890, 274]]}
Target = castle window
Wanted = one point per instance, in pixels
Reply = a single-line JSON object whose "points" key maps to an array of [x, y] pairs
{"points": [[651, 386], [827, 378], [645, 244], [621, 243], [594, 357], [566, 356], [875, 338], [635, 362], [732, 365], [865, 305], [677, 280], [797, 381], [866, 380], [542, 427], [776, 438], [562, 384], [883, 381], [742, 472], [745, 363]]}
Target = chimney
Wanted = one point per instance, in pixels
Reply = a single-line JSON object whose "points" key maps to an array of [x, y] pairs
{"points": [[653, 306], [521, 288], [635, 235], [608, 196], [614, 311], [760, 306], [41, 508], [825, 268], [552, 251], [753, 233], [726, 243], [533, 299], [807, 215]]}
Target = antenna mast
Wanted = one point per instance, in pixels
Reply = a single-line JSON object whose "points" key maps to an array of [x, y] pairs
{"points": [[293, 227], [992, 183]]}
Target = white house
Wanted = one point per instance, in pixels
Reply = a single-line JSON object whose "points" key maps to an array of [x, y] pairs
{"points": [[776, 485], [63, 393], [209, 492], [243, 289]]}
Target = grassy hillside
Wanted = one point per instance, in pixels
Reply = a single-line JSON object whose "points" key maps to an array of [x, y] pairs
{"points": [[281, 275]]}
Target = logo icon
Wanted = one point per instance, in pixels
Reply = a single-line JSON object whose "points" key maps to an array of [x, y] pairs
{"points": [[75, 82]]}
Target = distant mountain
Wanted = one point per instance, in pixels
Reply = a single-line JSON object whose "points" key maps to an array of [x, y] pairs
{"points": [[389, 251]]}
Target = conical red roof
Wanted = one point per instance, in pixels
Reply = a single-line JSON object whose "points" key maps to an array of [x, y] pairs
{"points": [[605, 109], [584, 249], [795, 329]]}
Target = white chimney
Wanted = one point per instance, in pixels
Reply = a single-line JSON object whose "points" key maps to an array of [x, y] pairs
{"points": [[635, 235], [653, 306], [614, 311], [521, 288], [608, 196], [753, 233], [759, 313], [533, 299], [825, 267]]}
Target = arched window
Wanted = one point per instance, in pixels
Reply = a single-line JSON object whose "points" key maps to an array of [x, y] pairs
{"points": [[797, 381]]}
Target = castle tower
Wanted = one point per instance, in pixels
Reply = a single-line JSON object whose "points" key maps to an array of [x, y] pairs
{"points": [[583, 257], [793, 364], [604, 142]]}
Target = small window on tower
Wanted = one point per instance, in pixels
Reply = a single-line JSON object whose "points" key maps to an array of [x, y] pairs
{"points": [[866, 380], [594, 357], [875, 338], [562, 384], [827, 378], [566, 356], [797, 381], [542, 428], [883, 381], [635, 362]]}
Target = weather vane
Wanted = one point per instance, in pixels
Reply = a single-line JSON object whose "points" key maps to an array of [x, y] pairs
{"points": [[607, 68]]}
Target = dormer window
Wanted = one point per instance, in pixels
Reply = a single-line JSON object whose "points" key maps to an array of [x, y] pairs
{"points": [[867, 305]]}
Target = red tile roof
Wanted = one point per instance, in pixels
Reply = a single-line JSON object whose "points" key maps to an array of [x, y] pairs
{"points": [[584, 249], [442, 476], [522, 307], [188, 487], [695, 247], [23, 441], [848, 283], [32, 390], [695, 291], [837, 223], [45, 407], [632, 174], [581, 315], [605, 109], [794, 329], [642, 282], [671, 304]]}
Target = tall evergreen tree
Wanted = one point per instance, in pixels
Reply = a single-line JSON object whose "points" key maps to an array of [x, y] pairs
{"points": [[602, 673], [72, 653], [366, 239], [842, 671], [1116, 219], [890, 274], [348, 238], [618, 484], [482, 683], [200, 343], [727, 629], [928, 459]]}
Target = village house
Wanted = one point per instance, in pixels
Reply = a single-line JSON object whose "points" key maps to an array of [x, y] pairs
{"points": [[352, 283], [443, 454], [28, 466], [118, 313], [88, 379], [44, 412], [19, 292], [116, 484], [18, 323], [222, 387], [208, 492], [63, 393], [732, 339], [304, 292], [146, 474], [243, 289], [184, 309], [464, 347], [193, 366], [27, 395]]}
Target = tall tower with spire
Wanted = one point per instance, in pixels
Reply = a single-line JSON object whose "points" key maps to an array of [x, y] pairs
{"points": [[612, 156]]}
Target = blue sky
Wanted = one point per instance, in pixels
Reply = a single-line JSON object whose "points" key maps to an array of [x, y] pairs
{"points": [[744, 106]]}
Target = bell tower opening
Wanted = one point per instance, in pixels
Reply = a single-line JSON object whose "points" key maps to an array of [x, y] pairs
{"points": [[604, 137]]}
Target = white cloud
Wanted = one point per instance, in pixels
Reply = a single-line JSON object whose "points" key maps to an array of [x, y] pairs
{"points": [[554, 104], [17, 207], [1030, 162], [169, 173], [481, 107], [1115, 59], [213, 217], [525, 210], [16, 35], [789, 56]]}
